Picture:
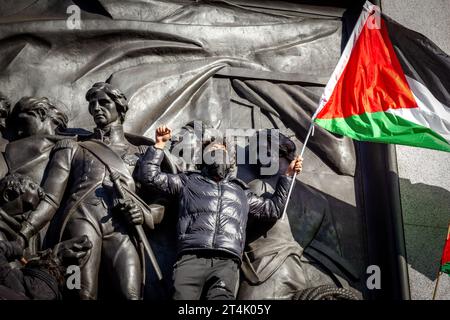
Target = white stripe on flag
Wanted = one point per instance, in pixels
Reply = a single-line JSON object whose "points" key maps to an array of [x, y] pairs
{"points": [[345, 56], [431, 113]]}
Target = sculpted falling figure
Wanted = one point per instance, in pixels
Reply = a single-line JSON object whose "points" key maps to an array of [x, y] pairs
{"points": [[40, 276], [92, 206], [18, 196], [33, 126]]}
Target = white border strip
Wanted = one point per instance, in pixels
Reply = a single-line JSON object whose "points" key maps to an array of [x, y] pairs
{"points": [[345, 56]]}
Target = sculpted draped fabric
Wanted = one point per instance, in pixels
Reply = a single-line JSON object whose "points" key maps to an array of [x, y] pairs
{"points": [[164, 55]]}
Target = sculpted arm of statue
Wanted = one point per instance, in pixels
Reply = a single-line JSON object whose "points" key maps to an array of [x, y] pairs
{"points": [[150, 171], [271, 208], [54, 186]]}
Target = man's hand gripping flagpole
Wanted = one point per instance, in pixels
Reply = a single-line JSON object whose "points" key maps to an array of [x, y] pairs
{"points": [[310, 133]]}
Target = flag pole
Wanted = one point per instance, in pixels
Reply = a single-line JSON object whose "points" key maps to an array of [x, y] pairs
{"points": [[291, 187], [440, 272], [437, 283]]}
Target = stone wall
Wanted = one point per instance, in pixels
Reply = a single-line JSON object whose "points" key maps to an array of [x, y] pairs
{"points": [[424, 174]]}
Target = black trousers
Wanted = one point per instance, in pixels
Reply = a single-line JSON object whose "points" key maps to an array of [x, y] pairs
{"points": [[205, 277]]}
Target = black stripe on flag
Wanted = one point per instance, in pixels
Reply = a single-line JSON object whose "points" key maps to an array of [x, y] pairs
{"points": [[421, 59]]}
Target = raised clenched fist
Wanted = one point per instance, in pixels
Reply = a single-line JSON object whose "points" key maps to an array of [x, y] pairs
{"points": [[162, 135]]}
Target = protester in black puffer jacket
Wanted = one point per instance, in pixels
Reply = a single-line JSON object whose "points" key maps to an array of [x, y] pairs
{"points": [[214, 208]]}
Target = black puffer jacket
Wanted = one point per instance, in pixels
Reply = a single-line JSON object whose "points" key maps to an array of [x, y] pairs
{"points": [[213, 215]]}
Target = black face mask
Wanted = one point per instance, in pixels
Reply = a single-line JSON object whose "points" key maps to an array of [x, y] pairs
{"points": [[218, 170], [220, 165]]}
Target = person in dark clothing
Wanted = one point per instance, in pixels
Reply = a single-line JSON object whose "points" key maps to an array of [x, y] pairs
{"points": [[213, 214], [42, 277]]}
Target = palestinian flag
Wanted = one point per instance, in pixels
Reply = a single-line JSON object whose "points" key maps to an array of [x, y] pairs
{"points": [[391, 85], [445, 261]]}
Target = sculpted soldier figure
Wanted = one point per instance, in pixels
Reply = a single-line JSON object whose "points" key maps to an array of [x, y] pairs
{"points": [[214, 208], [33, 125], [92, 206]]}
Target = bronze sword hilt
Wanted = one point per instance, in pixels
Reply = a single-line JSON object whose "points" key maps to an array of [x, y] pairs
{"points": [[115, 178]]}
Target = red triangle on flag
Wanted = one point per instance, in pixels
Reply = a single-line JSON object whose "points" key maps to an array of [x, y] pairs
{"points": [[372, 80]]}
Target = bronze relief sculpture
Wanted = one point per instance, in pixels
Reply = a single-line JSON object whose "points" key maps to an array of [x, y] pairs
{"points": [[82, 170], [172, 71]]}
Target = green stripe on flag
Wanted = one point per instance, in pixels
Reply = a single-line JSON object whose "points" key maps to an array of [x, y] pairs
{"points": [[385, 127], [446, 268]]}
